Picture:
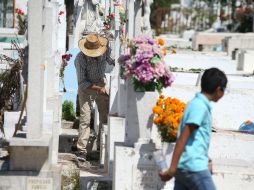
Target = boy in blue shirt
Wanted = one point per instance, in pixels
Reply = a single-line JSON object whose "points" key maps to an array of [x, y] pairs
{"points": [[189, 163]]}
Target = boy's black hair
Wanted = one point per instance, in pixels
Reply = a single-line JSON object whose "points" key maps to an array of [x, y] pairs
{"points": [[212, 79]]}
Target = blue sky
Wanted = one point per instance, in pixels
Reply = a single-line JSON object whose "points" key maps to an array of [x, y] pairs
{"points": [[70, 78]]}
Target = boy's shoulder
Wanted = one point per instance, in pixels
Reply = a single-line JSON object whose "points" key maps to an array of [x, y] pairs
{"points": [[196, 103]]}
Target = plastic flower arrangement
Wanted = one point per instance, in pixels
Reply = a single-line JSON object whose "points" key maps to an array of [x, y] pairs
{"points": [[65, 58], [168, 112], [144, 65], [21, 21]]}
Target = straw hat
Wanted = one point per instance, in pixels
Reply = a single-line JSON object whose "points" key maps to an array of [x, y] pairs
{"points": [[93, 45]]}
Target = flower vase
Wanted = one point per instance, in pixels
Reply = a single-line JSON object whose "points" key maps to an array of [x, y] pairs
{"points": [[139, 116], [167, 151]]}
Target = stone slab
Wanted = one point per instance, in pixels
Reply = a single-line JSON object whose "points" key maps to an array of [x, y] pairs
{"points": [[232, 145], [139, 170], [88, 180], [21, 150], [116, 133], [248, 64], [43, 141], [10, 119], [46, 179]]}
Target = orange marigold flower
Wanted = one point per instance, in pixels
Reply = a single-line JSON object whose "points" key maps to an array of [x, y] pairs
{"points": [[160, 102], [157, 120], [161, 96], [161, 42], [157, 110], [170, 111]]}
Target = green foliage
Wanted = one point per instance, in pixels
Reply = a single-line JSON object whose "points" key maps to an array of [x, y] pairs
{"points": [[165, 136], [22, 24], [151, 86], [68, 111]]}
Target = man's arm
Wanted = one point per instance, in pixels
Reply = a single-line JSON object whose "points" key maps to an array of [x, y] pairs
{"points": [[180, 144]]}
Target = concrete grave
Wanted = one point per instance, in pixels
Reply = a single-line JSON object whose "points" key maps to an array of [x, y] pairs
{"points": [[138, 171], [33, 160], [245, 61], [116, 134]]}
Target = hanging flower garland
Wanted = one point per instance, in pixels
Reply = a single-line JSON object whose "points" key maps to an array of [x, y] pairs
{"points": [[60, 16], [65, 58], [109, 20]]}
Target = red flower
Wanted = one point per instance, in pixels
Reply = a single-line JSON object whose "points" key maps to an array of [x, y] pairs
{"points": [[112, 15], [19, 11], [67, 57], [61, 13]]}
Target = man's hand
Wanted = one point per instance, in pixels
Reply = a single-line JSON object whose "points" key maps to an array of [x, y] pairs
{"points": [[167, 175], [103, 91]]}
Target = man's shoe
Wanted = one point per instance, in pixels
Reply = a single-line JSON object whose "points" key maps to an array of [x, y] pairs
{"points": [[81, 156]]}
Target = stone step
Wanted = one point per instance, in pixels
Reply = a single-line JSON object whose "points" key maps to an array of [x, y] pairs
{"points": [[67, 140], [96, 180]]}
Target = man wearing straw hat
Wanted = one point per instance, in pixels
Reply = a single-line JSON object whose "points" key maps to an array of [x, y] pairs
{"points": [[90, 66]]}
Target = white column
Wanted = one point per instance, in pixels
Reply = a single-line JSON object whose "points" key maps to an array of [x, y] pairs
{"points": [[117, 39], [131, 19], [35, 69], [107, 4]]}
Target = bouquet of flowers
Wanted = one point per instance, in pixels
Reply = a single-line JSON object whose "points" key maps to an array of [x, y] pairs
{"points": [[22, 21], [144, 65], [168, 116]]}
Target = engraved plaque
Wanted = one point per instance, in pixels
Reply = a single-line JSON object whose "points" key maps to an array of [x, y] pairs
{"points": [[38, 183], [145, 177]]}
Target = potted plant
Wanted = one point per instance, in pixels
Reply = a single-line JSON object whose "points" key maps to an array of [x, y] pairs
{"points": [[146, 73]]}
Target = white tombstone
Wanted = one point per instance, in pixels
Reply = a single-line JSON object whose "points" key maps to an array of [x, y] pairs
{"points": [[130, 24], [245, 61], [146, 18], [116, 134], [138, 20]]}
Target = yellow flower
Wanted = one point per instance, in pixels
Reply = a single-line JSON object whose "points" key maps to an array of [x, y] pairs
{"points": [[173, 51], [121, 9], [164, 51]]}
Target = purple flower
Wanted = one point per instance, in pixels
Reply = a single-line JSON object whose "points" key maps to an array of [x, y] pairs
{"points": [[139, 63]]}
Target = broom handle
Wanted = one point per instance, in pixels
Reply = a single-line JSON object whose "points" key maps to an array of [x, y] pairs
{"points": [[21, 113]]}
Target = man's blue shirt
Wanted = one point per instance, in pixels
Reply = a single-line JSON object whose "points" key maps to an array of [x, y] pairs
{"points": [[195, 154]]}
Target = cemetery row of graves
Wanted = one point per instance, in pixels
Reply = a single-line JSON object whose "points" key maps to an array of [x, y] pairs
{"points": [[147, 99]]}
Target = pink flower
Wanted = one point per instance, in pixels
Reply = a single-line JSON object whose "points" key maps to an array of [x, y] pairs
{"points": [[145, 64]]}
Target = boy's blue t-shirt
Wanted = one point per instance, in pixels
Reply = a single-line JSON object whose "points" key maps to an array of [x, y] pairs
{"points": [[195, 154]]}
